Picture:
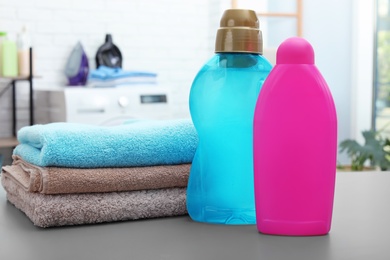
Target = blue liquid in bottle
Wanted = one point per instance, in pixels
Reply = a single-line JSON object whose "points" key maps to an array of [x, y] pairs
{"points": [[222, 102]]}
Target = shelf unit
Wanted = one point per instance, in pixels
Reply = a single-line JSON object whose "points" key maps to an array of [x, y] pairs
{"points": [[11, 142], [8, 142]]}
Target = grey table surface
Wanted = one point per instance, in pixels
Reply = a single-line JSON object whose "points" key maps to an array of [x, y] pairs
{"points": [[360, 230]]}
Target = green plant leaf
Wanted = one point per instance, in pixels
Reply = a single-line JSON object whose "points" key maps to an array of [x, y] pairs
{"points": [[375, 148]]}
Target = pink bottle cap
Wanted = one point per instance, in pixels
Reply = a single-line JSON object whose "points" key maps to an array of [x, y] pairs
{"points": [[295, 50]]}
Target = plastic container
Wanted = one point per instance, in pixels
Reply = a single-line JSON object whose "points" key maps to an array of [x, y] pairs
{"points": [[109, 54], [3, 36], [222, 102], [295, 146], [23, 44], [9, 58]]}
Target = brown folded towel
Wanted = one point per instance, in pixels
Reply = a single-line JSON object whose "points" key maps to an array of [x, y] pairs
{"points": [[54, 180], [88, 208]]}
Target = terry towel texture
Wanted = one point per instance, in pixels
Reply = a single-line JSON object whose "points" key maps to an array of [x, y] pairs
{"points": [[89, 208], [55, 180], [141, 143]]}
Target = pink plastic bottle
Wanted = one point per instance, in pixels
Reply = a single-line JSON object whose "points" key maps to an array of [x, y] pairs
{"points": [[295, 146]]}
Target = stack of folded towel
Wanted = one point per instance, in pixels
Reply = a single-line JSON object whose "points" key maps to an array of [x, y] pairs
{"points": [[70, 174], [104, 77]]}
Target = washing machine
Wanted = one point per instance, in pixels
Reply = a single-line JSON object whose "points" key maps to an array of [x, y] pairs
{"points": [[102, 106]]}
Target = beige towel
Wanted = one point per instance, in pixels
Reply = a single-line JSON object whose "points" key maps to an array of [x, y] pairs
{"points": [[54, 180], [88, 208]]}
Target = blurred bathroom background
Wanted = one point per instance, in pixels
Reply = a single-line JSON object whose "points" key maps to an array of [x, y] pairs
{"points": [[174, 38]]}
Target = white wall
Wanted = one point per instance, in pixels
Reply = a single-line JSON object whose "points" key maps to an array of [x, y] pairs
{"points": [[328, 26], [342, 33], [170, 37], [362, 67]]}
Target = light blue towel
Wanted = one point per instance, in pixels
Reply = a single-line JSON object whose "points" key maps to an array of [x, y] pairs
{"points": [[141, 143], [107, 73]]}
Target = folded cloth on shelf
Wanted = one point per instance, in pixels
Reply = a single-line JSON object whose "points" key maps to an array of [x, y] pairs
{"points": [[122, 82], [140, 143], [104, 77], [56, 180], [106, 73], [89, 208]]}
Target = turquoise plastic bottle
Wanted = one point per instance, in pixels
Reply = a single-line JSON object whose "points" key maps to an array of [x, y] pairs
{"points": [[222, 102], [295, 146]]}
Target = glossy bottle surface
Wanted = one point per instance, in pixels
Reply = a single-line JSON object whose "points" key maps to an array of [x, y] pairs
{"points": [[222, 102], [295, 146]]}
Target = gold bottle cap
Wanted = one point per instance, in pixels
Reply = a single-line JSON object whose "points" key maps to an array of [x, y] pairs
{"points": [[239, 32]]}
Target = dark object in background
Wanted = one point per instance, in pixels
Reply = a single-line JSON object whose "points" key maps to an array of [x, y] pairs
{"points": [[77, 67], [109, 54]]}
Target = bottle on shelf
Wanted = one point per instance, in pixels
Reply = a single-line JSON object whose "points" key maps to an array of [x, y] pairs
{"points": [[24, 44], [8, 57]]}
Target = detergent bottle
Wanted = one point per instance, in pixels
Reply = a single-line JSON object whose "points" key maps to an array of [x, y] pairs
{"points": [[24, 44], [222, 102], [9, 57], [109, 54], [295, 146]]}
